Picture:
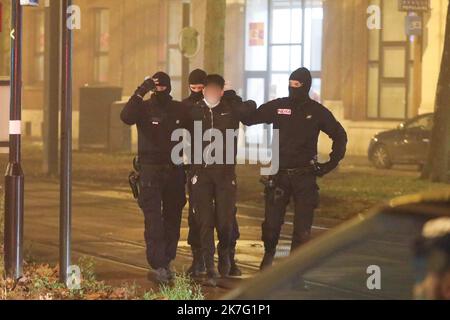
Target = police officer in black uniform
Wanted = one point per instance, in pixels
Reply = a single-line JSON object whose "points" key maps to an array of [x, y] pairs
{"points": [[197, 80], [162, 184], [299, 120], [213, 181]]}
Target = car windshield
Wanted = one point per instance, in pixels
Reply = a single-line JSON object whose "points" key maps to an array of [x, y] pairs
{"points": [[423, 123], [385, 251]]}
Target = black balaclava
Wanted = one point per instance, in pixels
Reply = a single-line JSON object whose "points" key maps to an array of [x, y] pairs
{"points": [[197, 76], [300, 94], [163, 80]]}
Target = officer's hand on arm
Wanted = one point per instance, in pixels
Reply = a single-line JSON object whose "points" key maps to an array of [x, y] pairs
{"points": [[248, 111], [251, 105], [231, 96], [264, 114], [244, 110], [146, 86]]}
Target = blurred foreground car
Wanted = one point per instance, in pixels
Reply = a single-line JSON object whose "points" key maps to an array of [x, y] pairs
{"points": [[346, 261], [408, 144]]}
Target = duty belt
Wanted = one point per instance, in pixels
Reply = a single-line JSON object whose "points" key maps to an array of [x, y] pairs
{"points": [[213, 166], [162, 166], [297, 171]]}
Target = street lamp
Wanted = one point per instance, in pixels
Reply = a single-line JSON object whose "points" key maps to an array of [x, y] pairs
{"points": [[14, 177]]}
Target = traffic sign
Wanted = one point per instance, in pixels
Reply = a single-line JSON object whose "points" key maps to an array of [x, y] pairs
{"points": [[32, 3], [413, 26], [414, 5]]}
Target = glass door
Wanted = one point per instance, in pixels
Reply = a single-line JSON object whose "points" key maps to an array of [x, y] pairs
{"points": [[281, 36], [285, 44], [256, 59]]}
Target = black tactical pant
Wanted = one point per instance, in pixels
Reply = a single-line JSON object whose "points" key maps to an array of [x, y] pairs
{"points": [[214, 198], [194, 239], [162, 199], [303, 189]]}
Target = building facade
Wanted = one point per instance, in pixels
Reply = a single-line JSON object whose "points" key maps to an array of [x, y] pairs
{"points": [[371, 78]]}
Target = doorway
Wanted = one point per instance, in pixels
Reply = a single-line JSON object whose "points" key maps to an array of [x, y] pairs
{"points": [[280, 36]]}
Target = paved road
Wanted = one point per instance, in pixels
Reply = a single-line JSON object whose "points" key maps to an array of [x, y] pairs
{"points": [[108, 226]]}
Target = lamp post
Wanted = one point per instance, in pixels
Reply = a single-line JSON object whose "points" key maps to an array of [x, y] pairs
{"points": [[14, 177]]}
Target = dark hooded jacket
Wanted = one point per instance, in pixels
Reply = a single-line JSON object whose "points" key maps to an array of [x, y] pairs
{"points": [[155, 119], [227, 115], [300, 121]]}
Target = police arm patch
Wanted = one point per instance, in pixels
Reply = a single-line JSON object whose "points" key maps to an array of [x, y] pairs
{"points": [[284, 112]]}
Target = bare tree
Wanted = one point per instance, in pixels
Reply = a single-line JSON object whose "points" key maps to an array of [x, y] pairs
{"points": [[215, 36], [437, 166]]}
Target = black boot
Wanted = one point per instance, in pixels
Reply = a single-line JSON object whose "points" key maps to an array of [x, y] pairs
{"points": [[300, 240], [170, 272], [211, 273], [198, 263], [162, 276], [234, 270], [267, 260], [224, 262]]}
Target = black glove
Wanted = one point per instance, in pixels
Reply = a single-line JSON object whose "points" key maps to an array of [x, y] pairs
{"points": [[232, 96], [322, 169], [147, 86], [251, 104]]}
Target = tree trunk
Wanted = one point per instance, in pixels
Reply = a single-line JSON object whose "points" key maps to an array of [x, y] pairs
{"points": [[437, 166], [215, 36], [4, 38]]}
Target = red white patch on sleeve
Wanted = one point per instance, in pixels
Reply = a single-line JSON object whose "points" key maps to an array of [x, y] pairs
{"points": [[285, 112]]}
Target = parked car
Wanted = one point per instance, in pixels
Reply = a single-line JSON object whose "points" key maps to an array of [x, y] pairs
{"points": [[407, 144], [340, 263]]}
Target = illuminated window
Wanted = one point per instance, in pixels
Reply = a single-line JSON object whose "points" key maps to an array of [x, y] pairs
{"points": [[391, 62], [280, 36]]}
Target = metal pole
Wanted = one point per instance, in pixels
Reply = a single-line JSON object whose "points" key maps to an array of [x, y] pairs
{"points": [[14, 177], [66, 144]]}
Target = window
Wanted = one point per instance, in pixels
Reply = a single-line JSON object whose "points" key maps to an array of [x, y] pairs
{"points": [[390, 67], [295, 41], [102, 45], [280, 36], [388, 245], [385, 243]]}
